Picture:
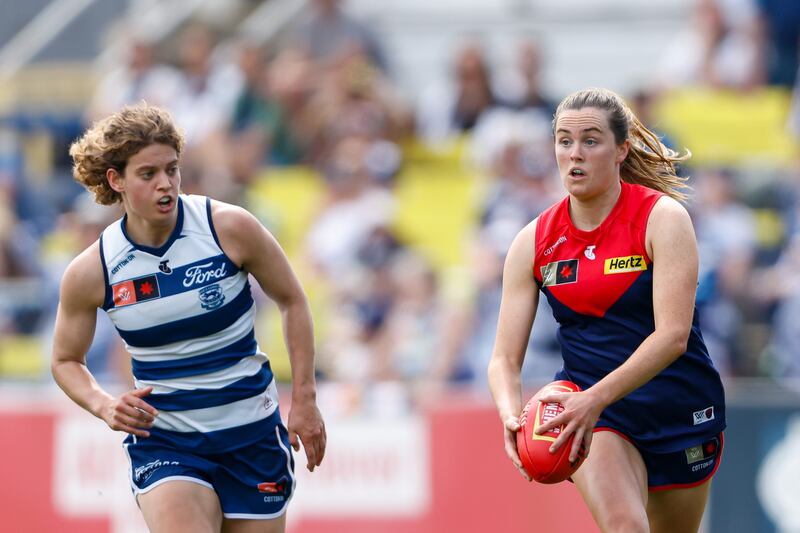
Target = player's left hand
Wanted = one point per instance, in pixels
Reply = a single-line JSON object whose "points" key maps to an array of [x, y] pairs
{"points": [[305, 423], [581, 411]]}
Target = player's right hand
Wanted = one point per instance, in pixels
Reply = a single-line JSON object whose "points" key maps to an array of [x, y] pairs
{"points": [[305, 424], [130, 413], [511, 427], [579, 417]]}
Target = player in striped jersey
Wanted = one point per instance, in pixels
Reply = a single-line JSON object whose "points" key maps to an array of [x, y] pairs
{"points": [[206, 444]]}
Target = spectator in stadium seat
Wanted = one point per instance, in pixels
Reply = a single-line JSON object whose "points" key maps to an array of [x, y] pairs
{"points": [[720, 48], [455, 107], [780, 285], [137, 77], [522, 87], [779, 29], [617, 260], [726, 243], [515, 148], [203, 106], [776, 290], [353, 99], [19, 265], [353, 208], [356, 347], [417, 347], [257, 122], [328, 32], [207, 448], [290, 82], [208, 87]]}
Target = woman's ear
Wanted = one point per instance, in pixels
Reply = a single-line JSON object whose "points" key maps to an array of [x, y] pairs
{"points": [[115, 180], [622, 151]]}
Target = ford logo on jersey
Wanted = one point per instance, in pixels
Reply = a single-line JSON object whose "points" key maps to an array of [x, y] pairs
{"points": [[211, 297], [199, 274]]}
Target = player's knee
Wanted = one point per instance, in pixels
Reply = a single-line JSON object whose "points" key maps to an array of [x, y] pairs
{"points": [[626, 520], [172, 512]]}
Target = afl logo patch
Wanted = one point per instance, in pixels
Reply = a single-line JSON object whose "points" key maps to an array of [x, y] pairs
{"points": [[211, 297], [560, 272], [619, 265], [135, 290]]}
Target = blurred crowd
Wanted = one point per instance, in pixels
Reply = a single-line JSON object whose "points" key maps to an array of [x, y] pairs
{"points": [[323, 97]]}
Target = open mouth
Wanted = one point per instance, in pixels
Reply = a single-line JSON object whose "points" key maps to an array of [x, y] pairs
{"points": [[575, 172], [165, 202]]}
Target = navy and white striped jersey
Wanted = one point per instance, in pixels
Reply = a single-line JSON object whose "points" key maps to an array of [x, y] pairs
{"points": [[186, 315]]}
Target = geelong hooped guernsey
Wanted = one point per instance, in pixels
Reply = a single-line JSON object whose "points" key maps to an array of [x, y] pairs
{"points": [[186, 315], [599, 284]]}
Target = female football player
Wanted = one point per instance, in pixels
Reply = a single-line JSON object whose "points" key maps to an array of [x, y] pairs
{"points": [[207, 448], [617, 261]]}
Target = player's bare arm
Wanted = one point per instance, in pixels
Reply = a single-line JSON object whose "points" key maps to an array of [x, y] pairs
{"points": [[82, 292], [251, 246], [517, 312], [672, 246]]}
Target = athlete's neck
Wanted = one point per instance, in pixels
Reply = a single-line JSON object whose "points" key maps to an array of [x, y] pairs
{"points": [[149, 233], [588, 213]]}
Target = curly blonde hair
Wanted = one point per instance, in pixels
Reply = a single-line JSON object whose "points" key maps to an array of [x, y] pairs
{"points": [[649, 161], [112, 141]]}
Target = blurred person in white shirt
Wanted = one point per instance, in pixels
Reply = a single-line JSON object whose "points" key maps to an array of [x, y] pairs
{"points": [[726, 239], [137, 77], [719, 48]]}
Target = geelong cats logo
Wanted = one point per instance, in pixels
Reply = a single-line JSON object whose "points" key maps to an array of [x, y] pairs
{"points": [[211, 297]]}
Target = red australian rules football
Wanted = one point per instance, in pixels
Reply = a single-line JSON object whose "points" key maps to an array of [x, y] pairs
{"points": [[534, 450]]}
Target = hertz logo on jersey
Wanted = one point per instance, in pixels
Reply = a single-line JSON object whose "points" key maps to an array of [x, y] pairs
{"points": [[619, 265]]}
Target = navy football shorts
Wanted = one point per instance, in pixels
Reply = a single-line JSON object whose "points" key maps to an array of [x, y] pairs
{"points": [[254, 481], [682, 469]]}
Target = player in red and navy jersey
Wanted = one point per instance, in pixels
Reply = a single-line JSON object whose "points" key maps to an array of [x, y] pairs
{"points": [[617, 261]]}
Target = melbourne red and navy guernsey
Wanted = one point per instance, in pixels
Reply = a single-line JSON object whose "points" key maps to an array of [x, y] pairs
{"points": [[600, 286]]}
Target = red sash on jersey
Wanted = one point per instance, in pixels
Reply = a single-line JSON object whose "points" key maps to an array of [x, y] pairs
{"points": [[588, 271]]}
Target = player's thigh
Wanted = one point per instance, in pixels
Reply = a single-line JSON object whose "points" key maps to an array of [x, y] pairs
{"points": [[613, 483], [274, 525], [678, 510], [178, 506]]}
